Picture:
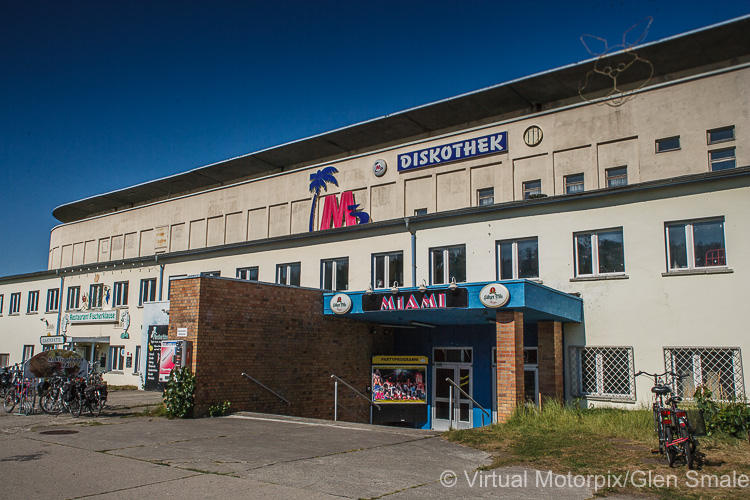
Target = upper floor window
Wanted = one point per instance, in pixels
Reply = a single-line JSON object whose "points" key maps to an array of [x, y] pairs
{"points": [[1, 303], [668, 144], [288, 274], [616, 176], [573, 183], [485, 196], [120, 295], [96, 296], [718, 135], [695, 244], [33, 303], [334, 274], [4, 359], [53, 299], [214, 274], [420, 211], [148, 291], [532, 189], [387, 269], [722, 159], [247, 273], [15, 303], [518, 259], [599, 252], [448, 264], [74, 297]]}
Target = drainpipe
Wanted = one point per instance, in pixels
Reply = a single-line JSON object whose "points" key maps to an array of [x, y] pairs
{"points": [[413, 252], [59, 302], [161, 276]]}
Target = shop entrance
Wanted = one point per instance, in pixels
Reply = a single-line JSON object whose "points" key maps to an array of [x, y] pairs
{"points": [[454, 364]]}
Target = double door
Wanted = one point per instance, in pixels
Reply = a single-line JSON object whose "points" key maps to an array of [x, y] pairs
{"points": [[455, 412]]}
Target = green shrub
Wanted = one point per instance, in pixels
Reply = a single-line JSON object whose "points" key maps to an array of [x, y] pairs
{"points": [[219, 409], [730, 417], [179, 393]]}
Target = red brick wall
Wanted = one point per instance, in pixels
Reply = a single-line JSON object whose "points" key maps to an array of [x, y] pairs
{"points": [[509, 362], [550, 358], [279, 336]]}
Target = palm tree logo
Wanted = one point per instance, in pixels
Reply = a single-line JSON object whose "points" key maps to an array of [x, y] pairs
{"points": [[318, 181]]}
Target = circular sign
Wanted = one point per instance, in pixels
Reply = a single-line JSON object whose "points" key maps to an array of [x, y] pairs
{"points": [[532, 136], [341, 303], [494, 295], [379, 168]]}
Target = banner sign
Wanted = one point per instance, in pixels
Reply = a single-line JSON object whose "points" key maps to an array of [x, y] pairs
{"points": [[156, 334], [429, 299], [93, 317], [55, 362], [479, 146], [399, 360], [399, 384]]}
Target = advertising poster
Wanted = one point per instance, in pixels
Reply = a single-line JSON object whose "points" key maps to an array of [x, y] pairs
{"points": [[55, 362], [167, 361], [399, 379], [156, 335]]}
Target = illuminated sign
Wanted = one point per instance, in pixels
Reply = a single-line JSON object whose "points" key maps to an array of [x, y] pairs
{"points": [[404, 301], [494, 295], [461, 150]]}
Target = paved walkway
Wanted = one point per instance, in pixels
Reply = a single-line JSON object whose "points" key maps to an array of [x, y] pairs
{"points": [[246, 455]]}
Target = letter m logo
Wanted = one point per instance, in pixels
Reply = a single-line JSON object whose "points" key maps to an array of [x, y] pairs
{"points": [[336, 212]]}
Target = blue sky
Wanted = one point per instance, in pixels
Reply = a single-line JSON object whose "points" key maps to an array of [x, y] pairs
{"points": [[100, 95]]}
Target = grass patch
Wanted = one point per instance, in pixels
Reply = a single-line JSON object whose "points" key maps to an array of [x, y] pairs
{"points": [[602, 441], [115, 388], [151, 411]]}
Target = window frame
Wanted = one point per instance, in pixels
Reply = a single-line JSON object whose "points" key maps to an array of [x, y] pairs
{"points": [[149, 290], [595, 257], [514, 257], [528, 192], [74, 292], [447, 273], [386, 256], [288, 267], [4, 359], [247, 271], [689, 233], [113, 365], [712, 161], [701, 358], [334, 273], [96, 293], [720, 129], [420, 211], [577, 375], [571, 181], [53, 295], [120, 296], [32, 302], [28, 350], [609, 176], [485, 196], [666, 140], [2, 297], [14, 306]]}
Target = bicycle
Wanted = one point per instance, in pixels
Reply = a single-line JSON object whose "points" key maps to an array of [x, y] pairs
{"points": [[22, 393], [676, 435]]}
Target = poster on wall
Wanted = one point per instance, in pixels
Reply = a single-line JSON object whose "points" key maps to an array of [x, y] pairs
{"points": [[156, 335], [399, 379]]}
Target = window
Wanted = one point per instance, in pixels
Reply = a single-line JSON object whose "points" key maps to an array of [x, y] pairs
{"points": [[32, 305], [387, 269], [448, 264], [695, 244], [4, 360], [718, 135], [600, 252], [722, 159], [116, 358], [74, 296], [53, 299], [668, 144], [137, 364], [15, 303], [28, 353], [420, 211], [288, 274], [247, 273], [605, 372], [1, 303], [532, 189], [334, 274], [148, 291], [215, 274], [452, 355], [485, 196], [718, 369], [120, 296], [518, 259], [617, 176], [96, 296], [574, 183]]}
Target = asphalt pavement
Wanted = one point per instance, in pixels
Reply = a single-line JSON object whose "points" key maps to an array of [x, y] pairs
{"points": [[123, 454]]}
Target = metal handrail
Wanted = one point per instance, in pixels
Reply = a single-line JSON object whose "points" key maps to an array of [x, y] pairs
{"points": [[448, 379], [266, 388], [336, 398], [356, 391]]}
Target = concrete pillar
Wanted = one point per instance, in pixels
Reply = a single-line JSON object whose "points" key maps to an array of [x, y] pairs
{"points": [[509, 338], [550, 359]]}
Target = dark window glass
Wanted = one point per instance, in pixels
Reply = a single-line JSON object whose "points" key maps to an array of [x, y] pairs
{"points": [[531, 188], [708, 240], [506, 261], [583, 250], [617, 176], [668, 144], [722, 160], [573, 183], [611, 252], [438, 267], [528, 260], [677, 247], [457, 269], [721, 135]]}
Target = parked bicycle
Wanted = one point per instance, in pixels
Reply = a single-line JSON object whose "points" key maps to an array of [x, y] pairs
{"points": [[676, 435], [60, 395], [22, 393], [8, 378]]}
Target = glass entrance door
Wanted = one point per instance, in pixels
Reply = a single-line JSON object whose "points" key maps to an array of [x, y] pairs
{"points": [[460, 406]]}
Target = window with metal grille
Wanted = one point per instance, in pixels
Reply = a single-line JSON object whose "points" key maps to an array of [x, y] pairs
{"points": [[603, 372], [574, 183], [617, 176], [32, 305], [718, 369]]}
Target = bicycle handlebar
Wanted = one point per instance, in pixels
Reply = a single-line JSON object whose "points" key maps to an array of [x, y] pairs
{"points": [[659, 375]]}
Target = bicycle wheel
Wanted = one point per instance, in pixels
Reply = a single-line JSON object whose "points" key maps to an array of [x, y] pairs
{"points": [[27, 402], [76, 406], [10, 401], [97, 404], [671, 451], [687, 446], [50, 402]]}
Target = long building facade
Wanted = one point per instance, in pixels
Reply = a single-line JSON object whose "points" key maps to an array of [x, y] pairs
{"points": [[533, 239]]}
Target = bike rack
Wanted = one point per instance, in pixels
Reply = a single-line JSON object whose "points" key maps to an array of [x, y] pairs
{"points": [[450, 403], [266, 388], [336, 399]]}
